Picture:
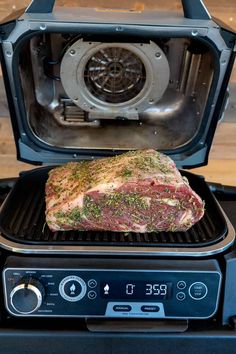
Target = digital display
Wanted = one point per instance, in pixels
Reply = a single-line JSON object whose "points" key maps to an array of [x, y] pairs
{"points": [[148, 290]]}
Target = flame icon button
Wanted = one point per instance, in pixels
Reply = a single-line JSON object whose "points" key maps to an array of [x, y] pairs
{"points": [[72, 288], [106, 289]]}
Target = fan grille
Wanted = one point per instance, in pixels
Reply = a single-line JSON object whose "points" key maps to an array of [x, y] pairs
{"points": [[115, 75]]}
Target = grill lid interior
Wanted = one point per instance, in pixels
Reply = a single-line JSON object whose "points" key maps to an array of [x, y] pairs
{"points": [[162, 84]]}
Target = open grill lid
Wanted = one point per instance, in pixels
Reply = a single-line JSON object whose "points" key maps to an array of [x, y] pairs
{"points": [[85, 83]]}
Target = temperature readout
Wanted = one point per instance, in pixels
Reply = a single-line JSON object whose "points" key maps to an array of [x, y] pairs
{"points": [[152, 290]]}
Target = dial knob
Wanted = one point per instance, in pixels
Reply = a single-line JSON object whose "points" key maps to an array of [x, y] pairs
{"points": [[27, 296]]}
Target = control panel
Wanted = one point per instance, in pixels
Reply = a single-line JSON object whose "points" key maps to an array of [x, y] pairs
{"points": [[111, 288]]}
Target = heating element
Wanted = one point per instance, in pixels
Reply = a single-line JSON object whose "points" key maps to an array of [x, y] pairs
{"points": [[24, 225]]}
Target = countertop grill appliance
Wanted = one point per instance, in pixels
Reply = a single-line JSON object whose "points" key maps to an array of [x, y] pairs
{"points": [[87, 83]]}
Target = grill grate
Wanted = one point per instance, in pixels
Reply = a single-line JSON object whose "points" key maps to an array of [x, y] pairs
{"points": [[22, 220]]}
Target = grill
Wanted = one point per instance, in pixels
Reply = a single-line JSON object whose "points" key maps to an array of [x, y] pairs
{"points": [[88, 83], [23, 220], [138, 81]]}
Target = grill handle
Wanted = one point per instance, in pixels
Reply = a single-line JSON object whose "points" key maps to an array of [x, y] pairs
{"points": [[195, 10], [40, 7]]}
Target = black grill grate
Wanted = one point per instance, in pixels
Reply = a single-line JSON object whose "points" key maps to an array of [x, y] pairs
{"points": [[22, 219]]}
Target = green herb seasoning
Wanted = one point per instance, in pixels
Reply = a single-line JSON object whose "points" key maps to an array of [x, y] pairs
{"points": [[116, 200], [91, 208], [58, 190], [75, 215], [61, 218], [60, 214], [126, 173]]}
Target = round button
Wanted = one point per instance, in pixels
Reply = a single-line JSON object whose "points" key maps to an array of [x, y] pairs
{"points": [[92, 295], [180, 296], [181, 285], [198, 291], [92, 283], [72, 288]]}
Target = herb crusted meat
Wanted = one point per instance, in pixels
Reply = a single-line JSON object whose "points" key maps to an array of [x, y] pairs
{"points": [[139, 191]]}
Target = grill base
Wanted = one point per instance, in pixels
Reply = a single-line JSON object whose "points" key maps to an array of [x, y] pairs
{"points": [[23, 227]]}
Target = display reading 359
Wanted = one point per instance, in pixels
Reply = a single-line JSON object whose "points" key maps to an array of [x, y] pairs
{"points": [[136, 290]]}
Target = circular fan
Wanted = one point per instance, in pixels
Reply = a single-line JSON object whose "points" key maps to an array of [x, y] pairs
{"points": [[114, 75], [110, 80]]}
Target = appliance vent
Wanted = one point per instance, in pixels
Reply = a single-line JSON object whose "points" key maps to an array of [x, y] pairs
{"points": [[115, 75]]}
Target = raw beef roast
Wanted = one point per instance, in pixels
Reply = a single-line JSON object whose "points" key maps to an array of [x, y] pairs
{"points": [[139, 191]]}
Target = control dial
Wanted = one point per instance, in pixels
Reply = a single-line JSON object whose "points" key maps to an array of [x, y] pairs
{"points": [[27, 296]]}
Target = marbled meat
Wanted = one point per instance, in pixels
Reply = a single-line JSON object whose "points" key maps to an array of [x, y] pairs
{"points": [[138, 191]]}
